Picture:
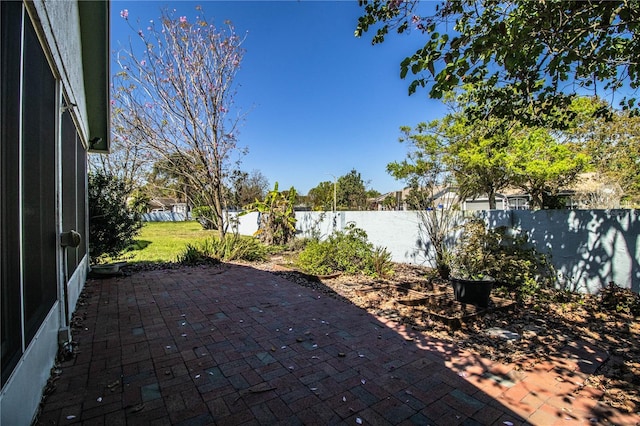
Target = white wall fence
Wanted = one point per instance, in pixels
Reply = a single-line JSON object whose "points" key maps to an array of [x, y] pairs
{"points": [[166, 216], [589, 248]]}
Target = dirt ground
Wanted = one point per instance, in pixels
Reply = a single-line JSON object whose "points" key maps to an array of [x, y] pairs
{"points": [[542, 324]]}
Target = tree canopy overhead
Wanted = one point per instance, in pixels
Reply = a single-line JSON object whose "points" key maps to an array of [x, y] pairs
{"points": [[524, 59]]}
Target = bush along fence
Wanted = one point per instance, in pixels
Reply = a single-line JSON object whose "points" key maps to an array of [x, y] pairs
{"points": [[588, 248]]}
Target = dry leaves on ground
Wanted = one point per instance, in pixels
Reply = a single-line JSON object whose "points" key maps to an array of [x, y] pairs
{"points": [[545, 323]]}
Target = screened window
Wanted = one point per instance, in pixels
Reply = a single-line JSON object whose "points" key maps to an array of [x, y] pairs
{"points": [[10, 323], [39, 238], [28, 234]]}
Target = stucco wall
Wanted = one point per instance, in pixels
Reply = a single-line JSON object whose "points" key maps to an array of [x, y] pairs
{"points": [[589, 248], [60, 24]]}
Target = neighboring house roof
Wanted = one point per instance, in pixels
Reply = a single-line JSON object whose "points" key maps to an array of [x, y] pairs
{"points": [[590, 182], [165, 202]]}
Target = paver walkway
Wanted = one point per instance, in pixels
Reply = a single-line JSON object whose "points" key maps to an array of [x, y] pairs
{"points": [[233, 345]]}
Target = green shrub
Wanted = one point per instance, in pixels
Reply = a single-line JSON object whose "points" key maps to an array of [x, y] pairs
{"points": [[232, 247], [196, 254], [506, 258], [344, 251], [382, 264], [235, 247], [318, 258], [112, 225], [614, 298]]}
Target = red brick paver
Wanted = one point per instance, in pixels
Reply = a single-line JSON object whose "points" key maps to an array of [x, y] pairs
{"points": [[233, 345]]}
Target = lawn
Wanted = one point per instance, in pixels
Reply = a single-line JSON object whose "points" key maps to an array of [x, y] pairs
{"points": [[163, 241]]}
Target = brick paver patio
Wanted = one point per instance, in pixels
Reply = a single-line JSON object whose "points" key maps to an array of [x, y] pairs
{"points": [[233, 345]]}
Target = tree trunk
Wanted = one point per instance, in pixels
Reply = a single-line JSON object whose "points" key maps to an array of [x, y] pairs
{"points": [[492, 199], [536, 200]]}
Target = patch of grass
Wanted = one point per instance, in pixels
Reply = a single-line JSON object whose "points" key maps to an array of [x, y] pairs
{"points": [[164, 241]]}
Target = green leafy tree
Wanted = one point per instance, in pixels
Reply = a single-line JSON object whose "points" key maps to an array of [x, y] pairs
{"points": [[612, 145], [321, 197], [390, 202], [168, 178], [541, 166], [525, 59], [351, 192], [475, 154], [372, 193]]}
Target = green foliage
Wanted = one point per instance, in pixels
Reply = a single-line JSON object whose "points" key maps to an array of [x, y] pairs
{"points": [[235, 247], [481, 253], [525, 60], [231, 247], [205, 216], [196, 254], [483, 158], [277, 216], [345, 251], [381, 260], [351, 192], [112, 225], [540, 165], [617, 299], [138, 201], [321, 197], [477, 154], [613, 147], [246, 188]]}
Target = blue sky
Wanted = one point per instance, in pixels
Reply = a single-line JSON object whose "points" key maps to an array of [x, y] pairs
{"points": [[318, 101]]}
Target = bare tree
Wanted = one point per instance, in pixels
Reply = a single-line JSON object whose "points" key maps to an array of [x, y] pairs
{"points": [[129, 162], [432, 193], [173, 96]]}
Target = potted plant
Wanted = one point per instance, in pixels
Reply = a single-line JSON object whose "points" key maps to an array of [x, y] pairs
{"points": [[472, 263]]}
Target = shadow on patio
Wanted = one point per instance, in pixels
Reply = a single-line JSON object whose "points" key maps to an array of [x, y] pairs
{"points": [[230, 344]]}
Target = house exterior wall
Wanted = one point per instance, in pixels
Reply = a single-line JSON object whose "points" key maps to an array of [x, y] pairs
{"points": [[60, 25], [43, 185]]}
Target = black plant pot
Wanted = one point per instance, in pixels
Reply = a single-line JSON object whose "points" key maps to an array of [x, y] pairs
{"points": [[475, 292]]}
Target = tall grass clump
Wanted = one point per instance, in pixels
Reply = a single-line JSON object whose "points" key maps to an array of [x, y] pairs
{"points": [[231, 247]]}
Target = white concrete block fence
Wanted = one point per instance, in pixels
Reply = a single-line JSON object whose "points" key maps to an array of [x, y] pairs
{"points": [[588, 248]]}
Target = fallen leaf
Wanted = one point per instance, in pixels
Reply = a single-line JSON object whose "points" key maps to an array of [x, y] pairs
{"points": [[137, 408]]}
